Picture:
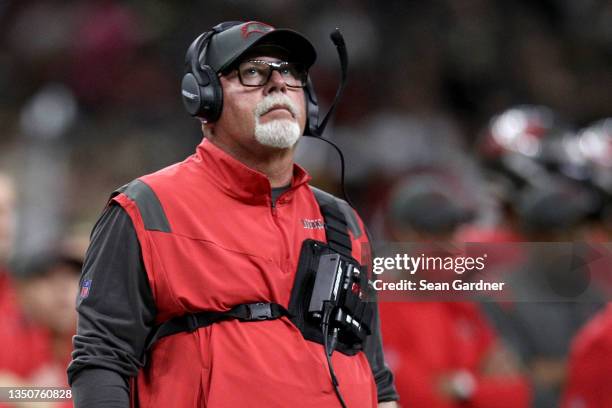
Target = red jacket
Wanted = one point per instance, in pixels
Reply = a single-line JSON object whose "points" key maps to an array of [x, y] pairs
{"points": [[424, 340], [590, 367], [221, 243], [27, 349]]}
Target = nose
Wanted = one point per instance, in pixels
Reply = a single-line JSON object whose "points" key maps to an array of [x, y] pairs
{"points": [[276, 83]]}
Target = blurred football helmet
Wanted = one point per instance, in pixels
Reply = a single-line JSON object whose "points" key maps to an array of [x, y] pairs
{"points": [[593, 146], [527, 143], [534, 155]]}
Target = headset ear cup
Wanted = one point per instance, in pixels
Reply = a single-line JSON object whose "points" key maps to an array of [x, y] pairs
{"points": [[211, 95], [201, 88], [312, 110], [190, 93]]}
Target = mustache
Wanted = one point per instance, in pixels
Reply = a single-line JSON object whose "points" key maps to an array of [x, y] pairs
{"points": [[273, 101]]}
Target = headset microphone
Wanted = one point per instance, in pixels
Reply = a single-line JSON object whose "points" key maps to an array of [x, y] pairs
{"points": [[338, 40]]}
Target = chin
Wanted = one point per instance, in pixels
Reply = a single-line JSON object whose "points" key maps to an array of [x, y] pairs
{"points": [[280, 134]]}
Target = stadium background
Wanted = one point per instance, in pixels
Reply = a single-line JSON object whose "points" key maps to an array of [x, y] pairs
{"points": [[90, 95]]}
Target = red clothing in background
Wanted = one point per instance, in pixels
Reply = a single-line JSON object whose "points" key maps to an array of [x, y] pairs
{"points": [[423, 341], [7, 293], [26, 349], [590, 369]]}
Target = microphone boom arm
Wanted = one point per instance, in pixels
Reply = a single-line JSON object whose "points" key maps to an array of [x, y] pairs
{"points": [[338, 40]]}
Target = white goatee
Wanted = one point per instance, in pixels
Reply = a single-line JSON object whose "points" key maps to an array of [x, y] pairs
{"points": [[278, 133]]}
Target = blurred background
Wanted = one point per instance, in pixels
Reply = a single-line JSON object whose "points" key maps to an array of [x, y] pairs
{"points": [[466, 120]]}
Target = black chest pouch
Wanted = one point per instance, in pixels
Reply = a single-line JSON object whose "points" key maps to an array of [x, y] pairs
{"points": [[331, 289]]}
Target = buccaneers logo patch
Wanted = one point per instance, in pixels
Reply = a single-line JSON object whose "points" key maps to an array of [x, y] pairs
{"points": [[313, 224], [255, 27]]}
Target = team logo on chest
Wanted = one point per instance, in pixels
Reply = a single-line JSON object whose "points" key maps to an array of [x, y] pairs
{"points": [[313, 223]]}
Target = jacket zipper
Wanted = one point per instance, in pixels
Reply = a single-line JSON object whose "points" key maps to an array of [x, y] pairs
{"points": [[285, 241]]}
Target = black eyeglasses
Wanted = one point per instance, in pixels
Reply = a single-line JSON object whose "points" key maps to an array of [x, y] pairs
{"points": [[258, 73]]}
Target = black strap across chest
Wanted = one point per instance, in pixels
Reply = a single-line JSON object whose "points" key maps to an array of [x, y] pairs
{"points": [[191, 322], [337, 225]]}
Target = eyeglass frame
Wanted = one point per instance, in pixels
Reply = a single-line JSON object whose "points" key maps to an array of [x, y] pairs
{"points": [[274, 66]]}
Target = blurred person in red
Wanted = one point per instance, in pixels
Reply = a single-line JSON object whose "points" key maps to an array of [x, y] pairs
{"points": [[529, 153], [590, 359], [592, 148], [36, 336], [36, 310], [444, 354], [553, 283], [590, 365]]}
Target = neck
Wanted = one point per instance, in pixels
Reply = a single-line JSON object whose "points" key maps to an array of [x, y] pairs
{"points": [[276, 164]]}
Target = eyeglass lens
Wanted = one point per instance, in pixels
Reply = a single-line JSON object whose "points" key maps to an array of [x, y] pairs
{"points": [[258, 73]]}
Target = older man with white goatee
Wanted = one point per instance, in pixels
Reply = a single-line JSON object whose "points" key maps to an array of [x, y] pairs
{"points": [[180, 254]]}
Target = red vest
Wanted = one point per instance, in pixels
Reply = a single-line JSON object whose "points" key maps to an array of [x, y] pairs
{"points": [[210, 240]]}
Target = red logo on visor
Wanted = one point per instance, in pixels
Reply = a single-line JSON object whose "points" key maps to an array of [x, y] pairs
{"points": [[255, 27]]}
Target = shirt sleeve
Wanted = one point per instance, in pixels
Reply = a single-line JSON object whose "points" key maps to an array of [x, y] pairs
{"points": [[382, 374], [100, 388], [373, 346], [116, 311]]}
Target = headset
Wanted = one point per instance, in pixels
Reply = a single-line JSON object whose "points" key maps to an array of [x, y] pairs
{"points": [[202, 93], [200, 88]]}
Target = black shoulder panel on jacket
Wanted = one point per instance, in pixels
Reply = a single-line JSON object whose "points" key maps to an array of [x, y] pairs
{"points": [[351, 219], [148, 204]]}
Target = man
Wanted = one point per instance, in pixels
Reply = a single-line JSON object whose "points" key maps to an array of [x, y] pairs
{"points": [[220, 229], [36, 335], [444, 354]]}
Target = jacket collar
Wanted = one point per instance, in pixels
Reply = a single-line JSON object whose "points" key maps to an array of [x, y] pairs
{"points": [[239, 180]]}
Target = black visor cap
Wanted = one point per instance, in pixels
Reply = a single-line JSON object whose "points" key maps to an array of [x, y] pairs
{"points": [[226, 48]]}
